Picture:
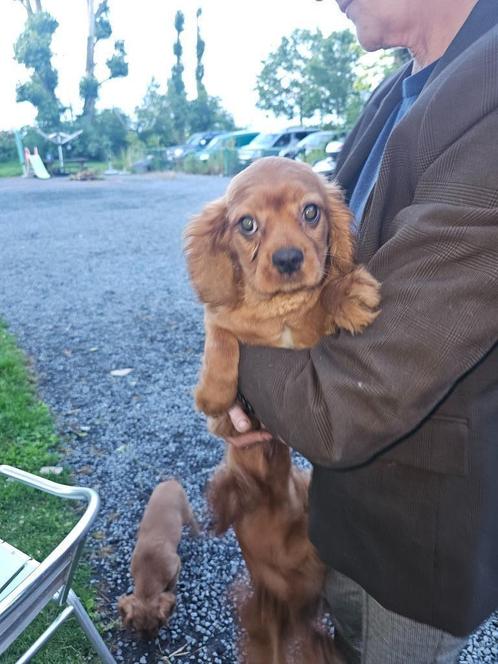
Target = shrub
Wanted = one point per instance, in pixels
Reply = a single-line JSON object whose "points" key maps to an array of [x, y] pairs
{"points": [[8, 151], [191, 164]]}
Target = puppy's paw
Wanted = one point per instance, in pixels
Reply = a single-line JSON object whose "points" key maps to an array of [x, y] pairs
{"points": [[216, 400], [356, 298]]}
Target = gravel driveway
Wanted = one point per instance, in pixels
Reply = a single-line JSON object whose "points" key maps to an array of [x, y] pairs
{"points": [[92, 280]]}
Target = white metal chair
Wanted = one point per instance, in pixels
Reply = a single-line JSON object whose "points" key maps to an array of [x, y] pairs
{"points": [[27, 586]]}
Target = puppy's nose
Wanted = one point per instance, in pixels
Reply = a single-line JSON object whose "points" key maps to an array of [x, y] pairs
{"points": [[288, 260]]}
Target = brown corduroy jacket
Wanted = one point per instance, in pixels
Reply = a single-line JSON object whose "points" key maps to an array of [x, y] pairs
{"points": [[401, 423]]}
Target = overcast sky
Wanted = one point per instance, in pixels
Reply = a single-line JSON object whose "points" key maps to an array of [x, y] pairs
{"points": [[238, 36]]}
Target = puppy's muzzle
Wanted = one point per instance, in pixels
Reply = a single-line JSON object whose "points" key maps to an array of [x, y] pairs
{"points": [[288, 260]]}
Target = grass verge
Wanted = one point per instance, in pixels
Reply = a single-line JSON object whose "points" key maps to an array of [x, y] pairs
{"points": [[9, 169], [29, 520]]}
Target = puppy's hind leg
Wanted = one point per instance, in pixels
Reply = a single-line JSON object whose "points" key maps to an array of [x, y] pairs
{"points": [[263, 639]]}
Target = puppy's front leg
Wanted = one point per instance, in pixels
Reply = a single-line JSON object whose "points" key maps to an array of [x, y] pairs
{"points": [[217, 387], [352, 300]]}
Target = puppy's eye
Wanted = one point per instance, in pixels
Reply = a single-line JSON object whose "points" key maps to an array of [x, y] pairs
{"points": [[311, 213], [248, 225]]}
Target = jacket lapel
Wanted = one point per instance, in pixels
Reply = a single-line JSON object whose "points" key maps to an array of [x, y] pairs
{"points": [[349, 170]]}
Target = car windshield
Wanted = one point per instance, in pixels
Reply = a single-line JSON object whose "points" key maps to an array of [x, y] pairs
{"points": [[195, 139], [317, 139], [216, 142], [263, 140]]}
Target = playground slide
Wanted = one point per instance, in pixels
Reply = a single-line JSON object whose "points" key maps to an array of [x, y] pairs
{"points": [[38, 167]]}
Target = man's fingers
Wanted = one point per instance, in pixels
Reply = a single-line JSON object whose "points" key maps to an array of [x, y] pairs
{"points": [[243, 425], [239, 419], [248, 439]]}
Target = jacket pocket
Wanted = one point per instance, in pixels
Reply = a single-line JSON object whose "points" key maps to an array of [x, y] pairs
{"points": [[439, 445]]}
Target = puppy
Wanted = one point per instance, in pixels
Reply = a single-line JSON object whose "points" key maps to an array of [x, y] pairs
{"points": [[272, 261], [155, 564]]}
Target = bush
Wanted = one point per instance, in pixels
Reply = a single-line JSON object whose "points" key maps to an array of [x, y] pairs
{"points": [[8, 151], [191, 164], [222, 162], [104, 137], [32, 139], [315, 155]]}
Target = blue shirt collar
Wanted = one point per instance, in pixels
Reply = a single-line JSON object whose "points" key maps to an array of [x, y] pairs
{"points": [[413, 85]]}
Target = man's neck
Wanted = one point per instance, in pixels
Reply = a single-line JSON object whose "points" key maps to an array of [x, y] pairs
{"points": [[439, 31]]}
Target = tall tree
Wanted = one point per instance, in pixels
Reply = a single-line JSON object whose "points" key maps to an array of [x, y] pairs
{"points": [[176, 95], [99, 29], [332, 73], [309, 74], [33, 50], [207, 113], [29, 7], [284, 85], [199, 69], [154, 126]]}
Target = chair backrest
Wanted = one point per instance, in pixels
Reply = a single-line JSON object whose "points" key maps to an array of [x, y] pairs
{"points": [[54, 574]]}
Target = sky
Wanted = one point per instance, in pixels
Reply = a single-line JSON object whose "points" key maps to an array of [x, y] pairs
{"points": [[238, 35]]}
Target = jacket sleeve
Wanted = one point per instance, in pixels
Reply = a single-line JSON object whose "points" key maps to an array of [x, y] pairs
{"points": [[349, 398]]}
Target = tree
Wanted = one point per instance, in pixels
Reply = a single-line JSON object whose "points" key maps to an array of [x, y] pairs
{"points": [[33, 50], [282, 84], [199, 70], [99, 29], [29, 8], [154, 124], [310, 74], [105, 136], [207, 113], [332, 73], [176, 95]]}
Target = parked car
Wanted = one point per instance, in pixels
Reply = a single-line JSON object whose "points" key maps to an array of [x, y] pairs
{"points": [[230, 141], [265, 145], [327, 166], [311, 148], [196, 142]]}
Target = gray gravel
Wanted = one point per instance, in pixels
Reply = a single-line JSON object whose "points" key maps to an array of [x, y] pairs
{"points": [[92, 280]]}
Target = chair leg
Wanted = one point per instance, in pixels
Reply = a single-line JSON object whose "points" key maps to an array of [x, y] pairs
{"points": [[90, 629], [43, 638]]}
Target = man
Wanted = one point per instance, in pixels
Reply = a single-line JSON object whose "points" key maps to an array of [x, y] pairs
{"points": [[401, 423]]}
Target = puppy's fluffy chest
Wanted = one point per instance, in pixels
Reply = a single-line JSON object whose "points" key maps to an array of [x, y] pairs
{"points": [[287, 321]]}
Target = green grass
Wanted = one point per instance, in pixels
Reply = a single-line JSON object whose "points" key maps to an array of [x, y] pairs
{"points": [[29, 520], [10, 169]]}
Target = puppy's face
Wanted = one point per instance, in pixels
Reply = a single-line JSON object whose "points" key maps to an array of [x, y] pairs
{"points": [[279, 228], [146, 617]]}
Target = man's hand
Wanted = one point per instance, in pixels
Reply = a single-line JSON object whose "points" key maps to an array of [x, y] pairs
{"points": [[242, 423]]}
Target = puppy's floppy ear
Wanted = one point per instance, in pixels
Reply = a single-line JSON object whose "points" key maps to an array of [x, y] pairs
{"points": [[209, 262], [125, 606], [340, 219], [167, 603]]}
